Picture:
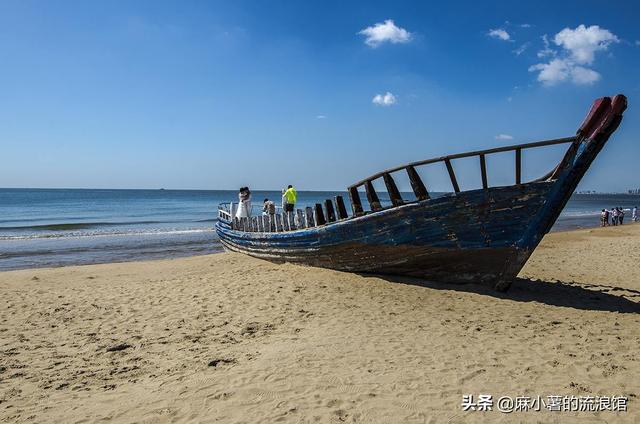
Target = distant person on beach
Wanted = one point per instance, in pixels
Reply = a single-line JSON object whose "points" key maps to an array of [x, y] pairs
{"points": [[268, 208], [620, 215], [606, 217], [603, 218], [290, 196], [614, 216], [244, 203], [634, 214]]}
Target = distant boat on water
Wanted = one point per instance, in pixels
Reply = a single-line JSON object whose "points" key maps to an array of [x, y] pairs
{"points": [[476, 236]]}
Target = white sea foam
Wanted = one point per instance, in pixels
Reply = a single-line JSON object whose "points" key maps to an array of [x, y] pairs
{"points": [[87, 234], [579, 214]]}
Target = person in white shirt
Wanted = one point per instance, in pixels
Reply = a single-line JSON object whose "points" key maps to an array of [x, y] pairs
{"points": [[244, 203]]}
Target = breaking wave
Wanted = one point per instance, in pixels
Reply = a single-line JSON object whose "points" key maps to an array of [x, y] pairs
{"points": [[83, 225], [100, 232]]}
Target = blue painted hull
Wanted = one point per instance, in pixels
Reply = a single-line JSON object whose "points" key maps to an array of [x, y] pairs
{"points": [[462, 238]]}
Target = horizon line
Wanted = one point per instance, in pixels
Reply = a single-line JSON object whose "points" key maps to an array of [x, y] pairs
{"points": [[260, 189]]}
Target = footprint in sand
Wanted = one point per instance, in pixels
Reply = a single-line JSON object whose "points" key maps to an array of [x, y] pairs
{"points": [[257, 395], [408, 406], [471, 375]]}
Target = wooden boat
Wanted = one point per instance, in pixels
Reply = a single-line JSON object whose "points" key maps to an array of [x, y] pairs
{"points": [[487, 236]]}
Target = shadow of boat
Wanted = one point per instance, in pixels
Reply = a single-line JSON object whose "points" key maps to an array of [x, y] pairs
{"points": [[592, 297]]}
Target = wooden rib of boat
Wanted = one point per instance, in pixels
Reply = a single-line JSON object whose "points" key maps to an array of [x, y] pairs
{"points": [[482, 236]]}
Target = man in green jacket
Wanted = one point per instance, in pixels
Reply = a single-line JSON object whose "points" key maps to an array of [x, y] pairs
{"points": [[290, 196]]}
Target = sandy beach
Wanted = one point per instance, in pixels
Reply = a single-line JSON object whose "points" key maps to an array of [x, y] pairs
{"points": [[231, 339]]}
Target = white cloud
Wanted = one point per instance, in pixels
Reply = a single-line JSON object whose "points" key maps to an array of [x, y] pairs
{"points": [[321, 116], [579, 47], [547, 51], [559, 70], [500, 34], [522, 48], [637, 42], [582, 75], [385, 32], [583, 42], [503, 137], [386, 99], [553, 72], [525, 25]]}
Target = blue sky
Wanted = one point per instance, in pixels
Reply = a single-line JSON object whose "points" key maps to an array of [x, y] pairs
{"points": [[215, 95]]}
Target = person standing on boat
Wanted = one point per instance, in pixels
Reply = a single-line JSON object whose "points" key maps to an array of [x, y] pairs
{"points": [[284, 201], [244, 203], [290, 196], [269, 211], [268, 208]]}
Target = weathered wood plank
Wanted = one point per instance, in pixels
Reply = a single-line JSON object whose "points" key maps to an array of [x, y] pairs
{"points": [[310, 221], [468, 154], [278, 221], [291, 220], [236, 223], [320, 220], [483, 171], [356, 203], [260, 220], [372, 196], [285, 222], [392, 189], [300, 218], [452, 175], [518, 166], [416, 184], [340, 208], [270, 223], [331, 213]]}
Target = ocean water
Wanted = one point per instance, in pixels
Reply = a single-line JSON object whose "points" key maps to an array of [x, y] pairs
{"points": [[56, 227]]}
